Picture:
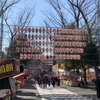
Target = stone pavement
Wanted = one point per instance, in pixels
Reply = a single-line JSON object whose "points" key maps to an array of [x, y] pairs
{"points": [[31, 91], [65, 92], [28, 92]]}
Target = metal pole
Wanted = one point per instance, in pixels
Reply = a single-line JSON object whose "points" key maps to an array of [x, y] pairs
{"points": [[99, 30], [1, 35]]}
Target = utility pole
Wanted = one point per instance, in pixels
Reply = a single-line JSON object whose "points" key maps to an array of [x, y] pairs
{"points": [[98, 6], [1, 33]]}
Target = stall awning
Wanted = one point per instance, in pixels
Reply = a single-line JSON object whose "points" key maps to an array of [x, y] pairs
{"points": [[19, 75], [25, 73]]}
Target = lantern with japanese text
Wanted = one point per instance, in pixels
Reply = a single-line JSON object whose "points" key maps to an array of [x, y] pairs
{"points": [[25, 56], [33, 30], [36, 30], [21, 56], [29, 29]]}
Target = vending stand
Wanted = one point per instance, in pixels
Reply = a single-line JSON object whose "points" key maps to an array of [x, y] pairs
{"points": [[8, 69], [20, 79]]}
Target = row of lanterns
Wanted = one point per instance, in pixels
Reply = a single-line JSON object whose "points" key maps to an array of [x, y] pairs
{"points": [[59, 43], [59, 37], [48, 30], [31, 56], [55, 50]]}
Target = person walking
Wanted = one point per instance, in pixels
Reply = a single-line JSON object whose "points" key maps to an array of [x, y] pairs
{"points": [[40, 81], [53, 81], [97, 83], [58, 82], [49, 79], [44, 82]]}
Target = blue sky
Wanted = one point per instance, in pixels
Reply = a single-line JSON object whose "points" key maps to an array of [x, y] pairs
{"points": [[41, 5], [38, 18]]}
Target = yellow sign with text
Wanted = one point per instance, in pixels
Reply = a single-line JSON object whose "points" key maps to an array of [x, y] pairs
{"points": [[6, 68]]}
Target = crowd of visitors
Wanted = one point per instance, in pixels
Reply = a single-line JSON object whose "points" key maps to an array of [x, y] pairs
{"points": [[43, 81]]}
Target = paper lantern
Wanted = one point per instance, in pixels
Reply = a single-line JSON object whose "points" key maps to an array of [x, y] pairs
{"points": [[29, 36], [64, 56], [71, 56], [33, 30], [58, 44], [51, 50], [25, 50], [43, 36], [32, 36], [71, 50], [67, 57], [26, 43], [78, 57], [29, 49], [40, 30], [22, 49], [67, 37], [60, 50], [76, 31], [46, 49], [29, 29], [36, 30], [28, 56], [25, 56], [21, 56], [53, 30], [70, 37], [26, 29], [74, 57], [22, 43], [67, 43], [66, 30], [81, 50], [43, 30], [77, 44], [67, 50], [37, 56], [23, 36], [36, 36], [73, 44], [80, 44]]}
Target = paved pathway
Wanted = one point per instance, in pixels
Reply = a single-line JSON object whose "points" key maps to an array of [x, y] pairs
{"points": [[28, 92], [32, 91], [59, 93]]}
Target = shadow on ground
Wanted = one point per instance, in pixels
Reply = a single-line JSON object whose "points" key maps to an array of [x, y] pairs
{"points": [[28, 92]]}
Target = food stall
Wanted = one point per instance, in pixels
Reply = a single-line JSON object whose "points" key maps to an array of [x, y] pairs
{"points": [[8, 69], [21, 78]]}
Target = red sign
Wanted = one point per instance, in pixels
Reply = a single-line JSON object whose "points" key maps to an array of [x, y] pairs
{"points": [[8, 68]]}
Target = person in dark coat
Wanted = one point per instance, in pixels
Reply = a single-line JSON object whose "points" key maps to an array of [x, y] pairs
{"points": [[97, 82], [53, 81], [58, 82]]}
